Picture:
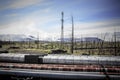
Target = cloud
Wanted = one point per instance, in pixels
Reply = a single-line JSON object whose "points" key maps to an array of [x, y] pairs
{"points": [[11, 15], [27, 27], [31, 24], [17, 4], [98, 24], [45, 20], [23, 3], [92, 28], [49, 25]]}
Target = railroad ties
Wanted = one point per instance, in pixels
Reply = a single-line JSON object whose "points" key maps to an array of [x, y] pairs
{"points": [[59, 67]]}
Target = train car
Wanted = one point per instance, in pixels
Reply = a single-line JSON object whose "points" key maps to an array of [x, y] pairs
{"points": [[81, 59], [60, 59], [20, 58], [12, 57]]}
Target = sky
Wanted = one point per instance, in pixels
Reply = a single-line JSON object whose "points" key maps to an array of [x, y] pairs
{"points": [[43, 17]]}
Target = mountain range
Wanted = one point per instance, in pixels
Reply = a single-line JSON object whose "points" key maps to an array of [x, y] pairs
{"points": [[22, 37], [16, 37]]}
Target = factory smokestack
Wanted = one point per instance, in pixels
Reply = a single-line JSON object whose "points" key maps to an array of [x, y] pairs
{"points": [[62, 31]]}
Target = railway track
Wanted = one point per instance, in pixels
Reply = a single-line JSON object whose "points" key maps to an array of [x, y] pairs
{"points": [[59, 71], [59, 67]]}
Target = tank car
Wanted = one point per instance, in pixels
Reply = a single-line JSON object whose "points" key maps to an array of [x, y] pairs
{"points": [[80, 59], [60, 59], [20, 58]]}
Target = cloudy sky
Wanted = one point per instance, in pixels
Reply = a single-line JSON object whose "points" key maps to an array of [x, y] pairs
{"points": [[31, 17]]}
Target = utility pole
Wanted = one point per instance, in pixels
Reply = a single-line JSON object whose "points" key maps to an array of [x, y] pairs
{"points": [[62, 31], [38, 41], [72, 40], [115, 42]]}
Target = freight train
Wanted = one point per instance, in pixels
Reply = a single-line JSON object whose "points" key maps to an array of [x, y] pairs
{"points": [[60, 59]]}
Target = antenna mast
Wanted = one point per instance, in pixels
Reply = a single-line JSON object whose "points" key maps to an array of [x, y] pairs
{"points": [[62, 31]]}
